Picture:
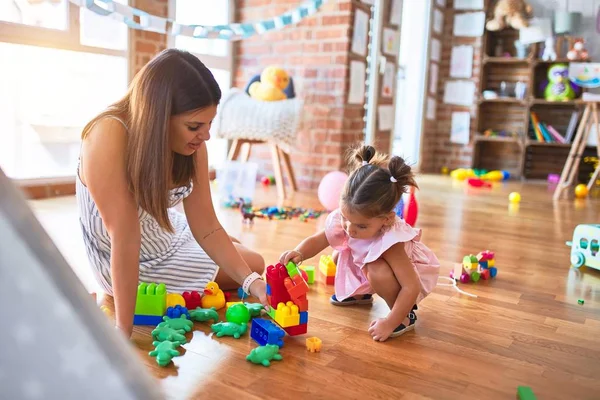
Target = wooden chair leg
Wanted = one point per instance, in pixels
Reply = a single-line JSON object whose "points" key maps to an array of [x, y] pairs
{"points": [[245, 153], [277, 169], [287, 165], [234, 151]]}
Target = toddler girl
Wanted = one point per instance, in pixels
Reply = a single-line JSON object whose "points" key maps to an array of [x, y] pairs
{"points": [[375, 251]]}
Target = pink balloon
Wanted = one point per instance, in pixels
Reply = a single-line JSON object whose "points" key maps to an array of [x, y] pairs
{"points": [[330, 189]]}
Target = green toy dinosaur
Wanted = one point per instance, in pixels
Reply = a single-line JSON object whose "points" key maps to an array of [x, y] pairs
{"points": [[177, 323], [229, 329], [254, 308], [162, 333], [164, 352], [204, 314], [264, 354]]}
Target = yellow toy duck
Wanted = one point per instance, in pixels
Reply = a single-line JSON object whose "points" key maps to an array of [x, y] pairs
{"points": [[213, 296], [273, 80]]}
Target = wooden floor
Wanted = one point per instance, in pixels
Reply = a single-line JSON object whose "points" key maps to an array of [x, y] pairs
{"points": [[524, 328]]}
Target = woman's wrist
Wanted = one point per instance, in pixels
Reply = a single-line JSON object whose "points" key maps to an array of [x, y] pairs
{"points": [[249, 280]]}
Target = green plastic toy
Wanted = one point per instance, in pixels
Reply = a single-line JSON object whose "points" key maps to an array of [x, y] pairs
{"points": [[255, 309], [525, 393], [151, 299], [238, 313], [204, 314], [162, 333], [264, 354], [164, 352], [181, 323], [229, 329]]}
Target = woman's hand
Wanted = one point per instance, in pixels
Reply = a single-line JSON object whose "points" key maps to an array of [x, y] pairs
{"points": [[259, 290], [381, 329], [291, 255]]}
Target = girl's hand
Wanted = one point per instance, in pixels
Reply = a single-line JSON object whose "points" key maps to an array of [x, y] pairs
{"points": [[259, 290], [291, 255], [381, 329]]}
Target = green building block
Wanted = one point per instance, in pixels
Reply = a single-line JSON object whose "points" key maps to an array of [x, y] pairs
{"points": [[272, 311], [525, 393], [292, 269], [151, 299], [310, 272]]}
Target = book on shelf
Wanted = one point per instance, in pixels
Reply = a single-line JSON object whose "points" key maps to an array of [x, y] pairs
{"points": [[546, 133]]}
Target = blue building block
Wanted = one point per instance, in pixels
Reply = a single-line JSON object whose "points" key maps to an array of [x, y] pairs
{"points": [[266, 332], [177, 311], [147, 319], [241, 294], [268, 290], [483, 264], [303, 317]]}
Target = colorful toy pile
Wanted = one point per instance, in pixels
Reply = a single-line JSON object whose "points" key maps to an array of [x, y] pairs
{"points": [[280, 213], [474, 268], [494, 176]]}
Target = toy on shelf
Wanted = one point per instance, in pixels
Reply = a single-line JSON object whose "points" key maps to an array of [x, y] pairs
{"points": [[264, 355], [181, 323], [164, 352], [313, 344], [163, 333], [273, 81], [177, 312], [229, 329], [238, 313], [578, 52], [213, 296], [204, 314], [309, 270], [585, 247], [175, 299], [266, 332], [327, 268], [510, 13], [549, 49], [150, 304], [474, 268], [192, 299], [559, 86]]}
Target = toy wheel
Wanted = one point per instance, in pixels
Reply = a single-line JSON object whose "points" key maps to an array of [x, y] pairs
{"points": [[475, 276], [493, 272], [577, 259]]}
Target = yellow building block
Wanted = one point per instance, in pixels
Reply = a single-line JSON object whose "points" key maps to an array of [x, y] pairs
{"points": [[491, 263], [313, 344], [175, 299], [230, 303], [287, 314], [327, 266]]}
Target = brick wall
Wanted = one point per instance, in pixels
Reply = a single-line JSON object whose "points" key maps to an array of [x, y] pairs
{"points": [[145, 45], [315, 53]]}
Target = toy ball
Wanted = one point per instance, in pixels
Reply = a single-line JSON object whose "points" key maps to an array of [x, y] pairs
{"points": [[514, 197], [459, 174], [505, 175], [238, 313], [445, 170], [581, 191], [330, 189]]}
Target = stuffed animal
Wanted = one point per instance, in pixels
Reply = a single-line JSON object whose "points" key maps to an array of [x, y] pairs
{"points": [[578, 52], [559, 88], [549, 50], [273, 80], [512, 13]]}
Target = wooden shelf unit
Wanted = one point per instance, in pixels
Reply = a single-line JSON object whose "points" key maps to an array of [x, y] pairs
{"points": [[523, 156]]}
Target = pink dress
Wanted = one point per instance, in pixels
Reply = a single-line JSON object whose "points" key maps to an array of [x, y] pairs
{"points": [[355, 253]]}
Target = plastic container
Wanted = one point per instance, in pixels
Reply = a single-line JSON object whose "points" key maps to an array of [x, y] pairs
{"points": [[236, 180]]}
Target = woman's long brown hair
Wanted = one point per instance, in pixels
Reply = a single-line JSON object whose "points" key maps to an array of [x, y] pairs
{"points": [[172, 83]]}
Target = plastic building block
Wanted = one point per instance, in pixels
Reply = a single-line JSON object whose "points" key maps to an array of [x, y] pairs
{"points": [[296, 330], [330, 280], [302, 303], [303, 317], [313, 344], [525, 393], [304, 275], [327, 266], [229, 329], [268, 290], [470, 262], [238, 313], [493, 272], [164, 352], [177, 311], [151, 299], [173, 335], [287, 314], [231, 303], [485, 274], [177, 323], [175, 299], [241, 293], [272, 312], [255, 309], [192, 299], [491, 263], [310, 273], [483, 264], [213, 296], [296, 288], [204, 314], [485, 256], [275, 276], [292, 269], [264, 355], [580, 301], [147, 319], [266, 332]]}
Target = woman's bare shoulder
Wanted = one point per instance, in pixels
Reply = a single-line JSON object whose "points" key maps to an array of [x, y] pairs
{"points": [[104, 147]]}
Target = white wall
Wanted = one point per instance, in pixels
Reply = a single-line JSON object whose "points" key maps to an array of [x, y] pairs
{"points": [[589, 9]]}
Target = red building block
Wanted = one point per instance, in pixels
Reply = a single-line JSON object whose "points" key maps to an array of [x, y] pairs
{"points": [[192, 300], [330, 280], [302, 303], [296, 330], [275, 278], [296, 287]]}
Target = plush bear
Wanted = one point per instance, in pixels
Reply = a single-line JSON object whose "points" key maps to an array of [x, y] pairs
{"points": [[512, 13], [578, 52]]}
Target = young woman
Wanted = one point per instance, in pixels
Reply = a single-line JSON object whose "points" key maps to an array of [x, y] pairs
{"points": [[139, 158]]}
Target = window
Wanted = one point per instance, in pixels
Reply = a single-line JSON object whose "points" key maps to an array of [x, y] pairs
{"points": [[57, 72], [214, 53]]}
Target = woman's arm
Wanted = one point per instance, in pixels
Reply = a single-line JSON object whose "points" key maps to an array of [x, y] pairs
{"points": [[104, 173], [308, 248], [207, 229], [409, 282]]}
